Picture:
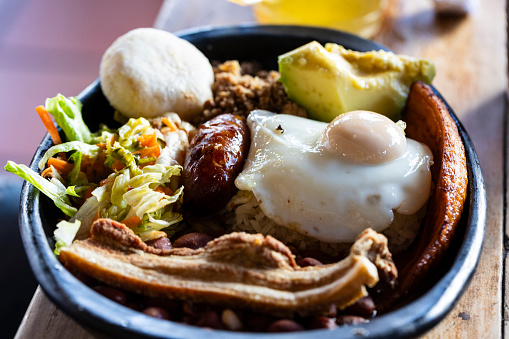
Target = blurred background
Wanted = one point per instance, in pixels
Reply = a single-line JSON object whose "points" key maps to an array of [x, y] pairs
{"points": [[46, 47]]}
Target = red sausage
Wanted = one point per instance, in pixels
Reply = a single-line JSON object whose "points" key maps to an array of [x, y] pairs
{"points": [[215, 157]]}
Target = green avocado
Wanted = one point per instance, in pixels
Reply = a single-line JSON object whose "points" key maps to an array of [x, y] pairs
{"points": [[331, 80]]}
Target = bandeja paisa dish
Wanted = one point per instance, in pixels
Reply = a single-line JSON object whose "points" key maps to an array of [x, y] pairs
{"points": [[187, 212]]}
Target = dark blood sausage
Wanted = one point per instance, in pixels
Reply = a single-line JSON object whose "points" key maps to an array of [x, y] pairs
{"points": [[214, 158]]}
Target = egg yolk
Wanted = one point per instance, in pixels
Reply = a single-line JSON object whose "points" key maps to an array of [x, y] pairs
{"points": [[364, 137]]}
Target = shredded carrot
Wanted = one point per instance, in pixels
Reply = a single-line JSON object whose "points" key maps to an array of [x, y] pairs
{"points": [[113, 139], [149, 152], [47, 172], [148, 140], [132, 222], [85, 163], [117, 165], [152, 148], [173, 127], [48, 123], [62, 166], [165, 190], [97, 169]]}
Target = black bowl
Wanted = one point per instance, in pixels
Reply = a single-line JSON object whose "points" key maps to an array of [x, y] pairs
{"points": [[38, 215]]}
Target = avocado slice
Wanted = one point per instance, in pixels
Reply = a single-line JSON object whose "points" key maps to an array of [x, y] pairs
{"points": [[331, 80]]}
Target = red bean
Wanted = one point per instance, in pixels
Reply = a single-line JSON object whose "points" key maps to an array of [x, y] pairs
{"points": [[285, 325], [318, 255], [160, 243], [305, 262], [112, 293], [192, 240], [364, 307], [157, 312], [210, 319]]}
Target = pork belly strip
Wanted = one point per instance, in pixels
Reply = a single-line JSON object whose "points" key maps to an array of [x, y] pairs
{"points": [[234, 270]]}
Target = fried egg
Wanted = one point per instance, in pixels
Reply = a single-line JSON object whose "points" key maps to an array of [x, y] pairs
{"points": [[332, 181]]}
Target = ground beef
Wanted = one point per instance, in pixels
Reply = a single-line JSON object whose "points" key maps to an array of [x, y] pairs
{"points": [[241, 88]]}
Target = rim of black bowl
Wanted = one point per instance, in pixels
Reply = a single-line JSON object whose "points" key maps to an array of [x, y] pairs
{"points": [[107, 317]]}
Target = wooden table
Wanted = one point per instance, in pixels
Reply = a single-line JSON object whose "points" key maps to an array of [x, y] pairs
{"points": [[471, 60]]}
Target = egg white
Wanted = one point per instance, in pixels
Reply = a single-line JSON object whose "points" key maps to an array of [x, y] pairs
{"points": [[302, 186]]}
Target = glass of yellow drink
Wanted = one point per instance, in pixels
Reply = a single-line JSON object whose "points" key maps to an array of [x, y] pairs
{"points": [[362, 17]]}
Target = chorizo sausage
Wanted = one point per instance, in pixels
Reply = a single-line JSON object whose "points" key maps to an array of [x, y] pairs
{"points": [[215, 157]]}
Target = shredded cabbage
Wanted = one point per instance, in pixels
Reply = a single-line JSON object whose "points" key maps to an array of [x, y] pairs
{"points": [[67, 114], [129, 133], [87, 214], [90, 150], [166, 171], [74, 177], [117, 152], [103, 193], [65, 233], [167, 219], [145, 200], [53, 189], [142, 187]]}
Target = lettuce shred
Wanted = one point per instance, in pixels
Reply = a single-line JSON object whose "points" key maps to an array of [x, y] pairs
{"points": [[65, 233], [67, 114], [53, 188], [90, 150]]}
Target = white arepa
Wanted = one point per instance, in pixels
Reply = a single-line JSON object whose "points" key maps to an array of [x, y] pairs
{"points": [[148, 72]]}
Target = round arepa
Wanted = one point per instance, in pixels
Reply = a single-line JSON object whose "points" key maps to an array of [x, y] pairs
{"points": [[148, 72]]}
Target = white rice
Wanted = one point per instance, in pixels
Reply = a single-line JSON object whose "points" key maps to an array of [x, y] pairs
{"points": [[246, 215]]}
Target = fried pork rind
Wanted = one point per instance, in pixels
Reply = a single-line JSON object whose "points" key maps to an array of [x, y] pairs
{"points": [[234, 270]]}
